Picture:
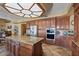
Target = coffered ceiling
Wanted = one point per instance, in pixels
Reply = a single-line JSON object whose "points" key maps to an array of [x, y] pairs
{"points": [[22, 12], [25, 9]]}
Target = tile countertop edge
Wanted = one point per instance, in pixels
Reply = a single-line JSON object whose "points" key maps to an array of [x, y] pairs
{"points": [[76, 42], [24, 39]]}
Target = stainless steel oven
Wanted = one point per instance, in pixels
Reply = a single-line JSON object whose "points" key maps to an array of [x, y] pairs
{"points": [[51, 33]]}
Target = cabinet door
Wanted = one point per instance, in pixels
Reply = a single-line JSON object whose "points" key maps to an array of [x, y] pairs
{"points": [[64, 41], [52, 22], [62, 22], [58, 41], [47, 22], [41, 33], [66, 22], [36, 22], [43, 24], [40, 24], [76, 25], [58, 23]]}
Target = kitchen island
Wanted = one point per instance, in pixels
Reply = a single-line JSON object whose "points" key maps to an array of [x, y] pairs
{"points": [[24, 45]]}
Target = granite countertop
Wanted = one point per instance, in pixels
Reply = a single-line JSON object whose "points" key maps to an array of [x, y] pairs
{"points": [[25, 39], [76, 42]]}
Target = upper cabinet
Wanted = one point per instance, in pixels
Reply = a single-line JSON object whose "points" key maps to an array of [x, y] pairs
{"points": [[52, 22], [40, 24], [44, 23], [62, 22], [47, 22]]}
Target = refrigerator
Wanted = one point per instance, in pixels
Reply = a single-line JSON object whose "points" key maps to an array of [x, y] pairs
{"points": [[33, 30]]}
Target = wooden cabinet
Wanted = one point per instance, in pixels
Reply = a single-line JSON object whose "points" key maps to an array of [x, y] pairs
{"points": [[42, 33], [41, 24], [53, 22], [47, 22], [76, 21], [62, 22], [69, 42], [64, 41], [31, 50], [25, 50], [75, 49], [23, 29], [66, 22], [59, 40], [59, 23]]}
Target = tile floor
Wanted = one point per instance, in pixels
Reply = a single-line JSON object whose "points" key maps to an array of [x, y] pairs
{"points": [[48, 50], [52, 50]]}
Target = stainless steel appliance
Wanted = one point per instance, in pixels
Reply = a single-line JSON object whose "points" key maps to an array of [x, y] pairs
{"points": [[33, 30], [51, 33]]}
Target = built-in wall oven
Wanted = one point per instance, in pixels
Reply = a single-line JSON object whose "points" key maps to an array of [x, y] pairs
{"points": [[51, 33]]}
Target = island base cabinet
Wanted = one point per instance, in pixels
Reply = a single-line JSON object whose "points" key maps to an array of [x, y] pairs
{"points": [[12, 47], [37, 49], [31, 50], [25, 50], [28, 46]]}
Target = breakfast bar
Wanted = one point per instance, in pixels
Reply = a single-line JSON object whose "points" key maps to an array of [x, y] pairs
{"points": [[24, 45]]}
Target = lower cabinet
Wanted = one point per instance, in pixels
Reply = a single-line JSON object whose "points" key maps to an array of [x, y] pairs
{"points": [[64, 41], [30, 50], [75, 50], [25, 50]]}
